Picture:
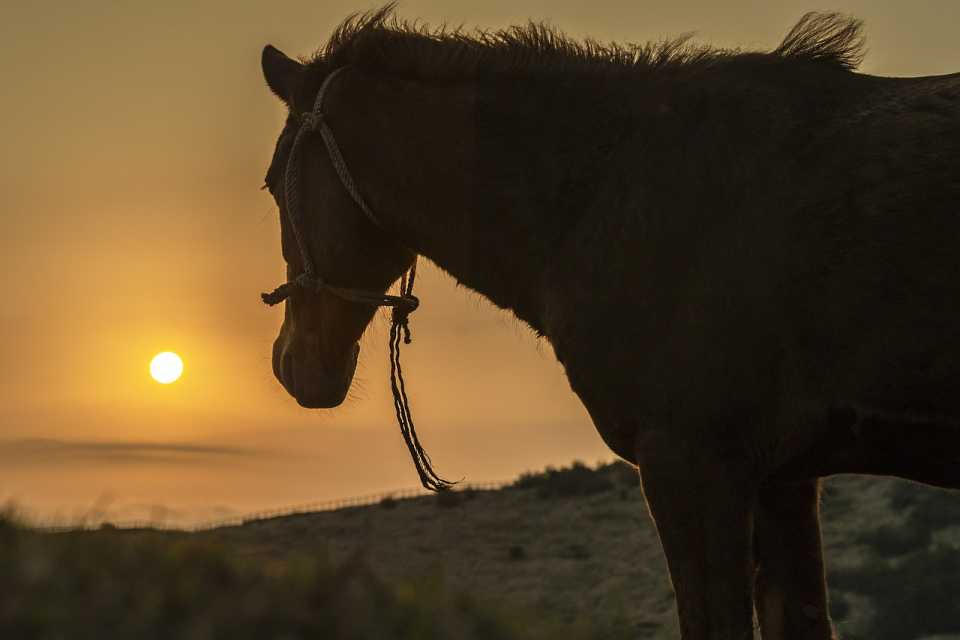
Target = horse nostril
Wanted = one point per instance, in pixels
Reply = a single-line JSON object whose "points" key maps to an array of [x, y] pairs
{"points": [[286, 372], [277, 360], [275, 354]]}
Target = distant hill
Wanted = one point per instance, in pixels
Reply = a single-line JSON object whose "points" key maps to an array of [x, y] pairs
{"points": [[565, 553]]}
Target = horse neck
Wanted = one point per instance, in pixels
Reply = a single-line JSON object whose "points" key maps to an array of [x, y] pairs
{"points": [[458, 171]]}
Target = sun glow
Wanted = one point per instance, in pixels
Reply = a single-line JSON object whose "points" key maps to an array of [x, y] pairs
{"points": [[166, 367]]}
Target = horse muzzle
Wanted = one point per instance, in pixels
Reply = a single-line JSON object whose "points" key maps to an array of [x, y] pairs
{"points": [[315, 380]]}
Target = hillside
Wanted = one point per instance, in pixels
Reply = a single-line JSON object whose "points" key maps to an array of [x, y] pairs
{"points": [[575, 548], [892, 547]]}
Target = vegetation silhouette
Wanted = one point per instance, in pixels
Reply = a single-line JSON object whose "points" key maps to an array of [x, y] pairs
{"points": [[113, 584]]}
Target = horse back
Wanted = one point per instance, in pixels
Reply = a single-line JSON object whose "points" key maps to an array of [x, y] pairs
{"points": [[878, 277], [802, 259]]}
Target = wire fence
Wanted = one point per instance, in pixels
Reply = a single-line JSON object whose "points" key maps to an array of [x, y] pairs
{"points": [[265, 514]]}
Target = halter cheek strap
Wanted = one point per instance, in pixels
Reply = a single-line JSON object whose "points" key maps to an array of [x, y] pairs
{"points": [[309, 282], [314, 122]]}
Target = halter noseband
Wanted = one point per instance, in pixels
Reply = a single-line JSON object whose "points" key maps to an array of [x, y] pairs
{"points": [[309, 282]]}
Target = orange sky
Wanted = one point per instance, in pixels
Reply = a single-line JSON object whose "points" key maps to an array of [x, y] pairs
{"points": [[134, 140]]}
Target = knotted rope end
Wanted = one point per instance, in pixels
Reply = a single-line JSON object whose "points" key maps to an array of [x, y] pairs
{"points": [[303, 282], [279, 294]]}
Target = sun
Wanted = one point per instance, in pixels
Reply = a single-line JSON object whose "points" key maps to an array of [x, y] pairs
{"points": [[166, 367]]}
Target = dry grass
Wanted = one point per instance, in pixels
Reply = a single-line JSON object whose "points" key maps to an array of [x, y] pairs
{"points": [[586, 558]]}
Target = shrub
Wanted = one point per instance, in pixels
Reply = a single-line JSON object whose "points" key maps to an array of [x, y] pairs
{"points": [[833, 499], [918, 595], [448, 499], [904, 495], [839, 607], [861, 579], [896, 541], [933, 508], [621, 474], [577, 480], [938, 509]]}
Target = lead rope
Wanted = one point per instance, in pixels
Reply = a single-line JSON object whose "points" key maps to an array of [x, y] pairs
{"points": [[401, 329], [308, 281]]}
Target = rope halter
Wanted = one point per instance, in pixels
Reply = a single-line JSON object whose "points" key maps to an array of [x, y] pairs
{"points": [[313, 122]]}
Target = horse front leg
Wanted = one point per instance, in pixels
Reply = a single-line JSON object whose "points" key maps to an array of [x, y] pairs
{"points": [[703, 511], [790, 587]]}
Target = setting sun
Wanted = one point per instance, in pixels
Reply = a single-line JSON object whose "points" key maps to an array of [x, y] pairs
{"points": [[166, 367]]}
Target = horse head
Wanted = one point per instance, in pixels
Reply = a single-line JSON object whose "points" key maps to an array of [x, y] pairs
{"points": [[338, 248]]}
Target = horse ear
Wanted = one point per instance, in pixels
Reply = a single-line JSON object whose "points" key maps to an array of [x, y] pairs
{"points": [[280, 72]]}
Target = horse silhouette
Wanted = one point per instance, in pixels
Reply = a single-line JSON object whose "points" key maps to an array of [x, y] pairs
{"points": [[747, 262]]}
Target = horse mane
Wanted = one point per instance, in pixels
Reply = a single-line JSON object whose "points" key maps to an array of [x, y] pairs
{"points": [[827, 37], [381, 41]]}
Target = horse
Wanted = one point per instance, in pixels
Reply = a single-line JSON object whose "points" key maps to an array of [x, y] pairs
{"points": [[746, 262]]}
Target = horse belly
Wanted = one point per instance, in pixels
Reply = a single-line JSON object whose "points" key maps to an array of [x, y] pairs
{"points": [[883, 349]]}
